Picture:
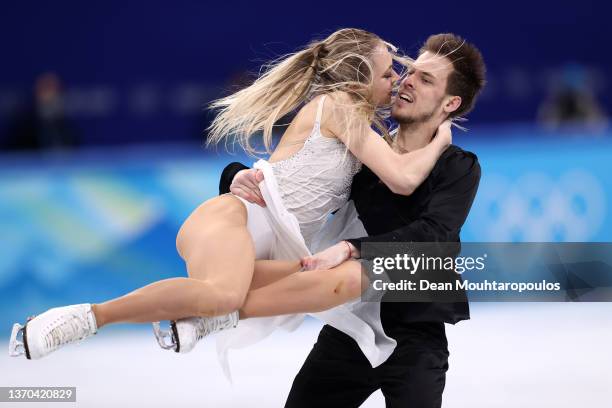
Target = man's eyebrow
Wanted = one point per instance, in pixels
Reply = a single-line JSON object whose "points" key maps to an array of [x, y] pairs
{"points": [[427, 74]]}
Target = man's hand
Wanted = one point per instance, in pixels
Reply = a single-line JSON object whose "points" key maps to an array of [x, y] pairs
{"points": [[246, 185], [330, 257]]}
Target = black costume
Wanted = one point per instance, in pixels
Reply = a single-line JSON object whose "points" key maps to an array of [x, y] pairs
{"points": [[336, 373]]}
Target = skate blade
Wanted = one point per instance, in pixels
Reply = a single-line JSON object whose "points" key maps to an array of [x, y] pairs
{"points": [[16, 346], [164, 337]]}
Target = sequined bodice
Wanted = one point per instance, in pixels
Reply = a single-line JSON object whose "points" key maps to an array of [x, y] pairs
{"points": [[316, 180]]}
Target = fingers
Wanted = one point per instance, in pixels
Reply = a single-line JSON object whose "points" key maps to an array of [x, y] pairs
{"points": [[253, 192], [444, 133], [244, 193], [245, 183], [446, 125], [251, 182], [309, 263]]}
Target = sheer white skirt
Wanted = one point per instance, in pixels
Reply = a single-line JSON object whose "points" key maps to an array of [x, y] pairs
{"points": [[276, 234]]}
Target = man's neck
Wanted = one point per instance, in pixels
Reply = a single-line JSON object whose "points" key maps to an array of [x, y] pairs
{"points": [[413, 136]]}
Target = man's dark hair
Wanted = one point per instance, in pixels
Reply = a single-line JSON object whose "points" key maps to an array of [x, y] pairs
{"points": [[468, 76]]}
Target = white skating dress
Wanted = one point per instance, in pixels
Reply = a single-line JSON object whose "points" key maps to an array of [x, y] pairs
{"points": [[300, 193]]}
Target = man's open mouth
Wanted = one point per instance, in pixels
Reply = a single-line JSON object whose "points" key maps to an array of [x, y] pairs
{"points": [[406, 97]]}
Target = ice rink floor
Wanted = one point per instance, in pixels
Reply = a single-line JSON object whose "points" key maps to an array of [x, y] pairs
{"points": [[509, 355]]}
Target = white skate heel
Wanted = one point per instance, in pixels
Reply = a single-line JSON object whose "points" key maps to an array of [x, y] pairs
{"points": [[165, 338], [184, 334], [16, 346], [45, 333]]}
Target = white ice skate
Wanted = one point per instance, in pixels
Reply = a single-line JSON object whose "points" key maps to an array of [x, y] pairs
{"points": [[184, 334], [45, 333]]}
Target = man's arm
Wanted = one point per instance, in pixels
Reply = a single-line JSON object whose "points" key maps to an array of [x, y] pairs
{"points": [[228, 174], [447, 209]]}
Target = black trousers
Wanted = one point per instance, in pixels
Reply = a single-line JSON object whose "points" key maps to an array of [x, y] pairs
{"points": [[337, 374]]}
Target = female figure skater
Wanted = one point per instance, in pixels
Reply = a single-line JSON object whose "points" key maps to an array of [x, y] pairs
{"points": [[338, 86]]}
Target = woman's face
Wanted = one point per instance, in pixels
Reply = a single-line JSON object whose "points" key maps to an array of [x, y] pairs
{"points": [[384, 76]]}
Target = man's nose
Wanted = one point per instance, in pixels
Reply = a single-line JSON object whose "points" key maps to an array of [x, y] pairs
{"points": [[407, 83]]}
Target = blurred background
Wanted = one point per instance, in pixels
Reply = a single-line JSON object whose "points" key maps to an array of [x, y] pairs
{"points": [[102, 123]]}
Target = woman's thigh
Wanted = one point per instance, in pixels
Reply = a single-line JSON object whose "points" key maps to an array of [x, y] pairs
{"points": [[216, 245]]}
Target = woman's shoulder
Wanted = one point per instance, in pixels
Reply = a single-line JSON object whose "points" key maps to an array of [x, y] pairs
{"points": [[341, 102], [339, 97], [339, 112]]}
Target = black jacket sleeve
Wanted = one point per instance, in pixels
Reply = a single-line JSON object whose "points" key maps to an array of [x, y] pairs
{"points": [[453, 192], [228, 175]]}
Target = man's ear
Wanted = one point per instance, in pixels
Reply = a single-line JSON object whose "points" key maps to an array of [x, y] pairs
{"points": [[451, 104]]}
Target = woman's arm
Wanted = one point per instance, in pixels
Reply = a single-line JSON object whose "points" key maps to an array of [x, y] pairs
{"points": [[440, 221], [402, 173]]}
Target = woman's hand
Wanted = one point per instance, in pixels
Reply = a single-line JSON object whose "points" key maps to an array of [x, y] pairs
{"points": [[444, 135], [330, 257], [246, 185]]}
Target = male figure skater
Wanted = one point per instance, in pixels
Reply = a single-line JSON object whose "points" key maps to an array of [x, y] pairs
{"points": [[444, 83]]}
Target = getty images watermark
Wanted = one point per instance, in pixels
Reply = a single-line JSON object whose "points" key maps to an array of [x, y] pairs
{"points": [[452, 272], [460, 264]]}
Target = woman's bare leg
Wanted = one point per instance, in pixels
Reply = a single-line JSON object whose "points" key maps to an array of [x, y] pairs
{"points": [[219, 255], [269, 271], [304, 292]]}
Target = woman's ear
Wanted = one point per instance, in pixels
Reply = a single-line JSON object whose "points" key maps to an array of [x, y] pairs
{"points": [[452, 104]]}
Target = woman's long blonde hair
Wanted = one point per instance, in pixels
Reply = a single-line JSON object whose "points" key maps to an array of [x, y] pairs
{"points": [[341, 62]]}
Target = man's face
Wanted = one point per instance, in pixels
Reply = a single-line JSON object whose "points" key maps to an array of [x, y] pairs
{"points": [[422, 94]]}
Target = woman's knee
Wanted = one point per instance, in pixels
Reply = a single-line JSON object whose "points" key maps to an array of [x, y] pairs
{"points": [[214, 300], [351, 281], [209, 222], [230, 301], [225, 207]]}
